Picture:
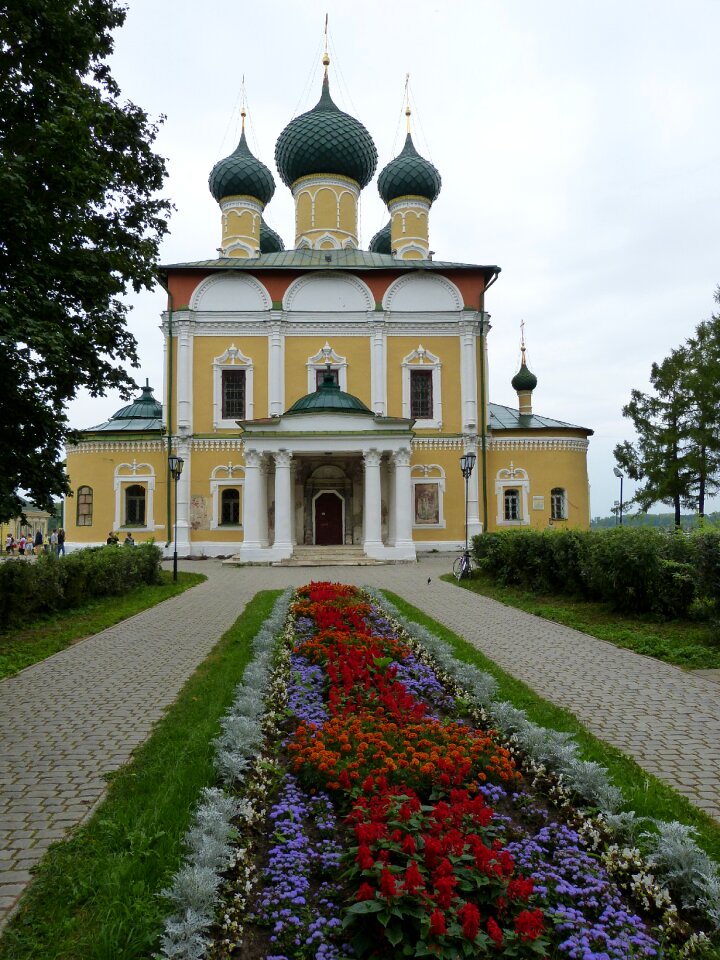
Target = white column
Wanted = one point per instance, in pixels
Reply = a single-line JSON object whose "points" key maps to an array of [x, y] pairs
{"points": [[262, 500], [372, 538], [253, 512], [283, 505], [402, 506], [391, 501], [184, 379], [276, 372], [378, 369], [468, 377]]}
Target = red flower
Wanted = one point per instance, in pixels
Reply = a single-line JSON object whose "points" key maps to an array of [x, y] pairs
{"points": [[469, 916], [365, 858], [496, 934], [413, 881], [520, 888], [445, 887], [366, 892], [408, 845], [388, 885], [437, 923], [529, 924]]}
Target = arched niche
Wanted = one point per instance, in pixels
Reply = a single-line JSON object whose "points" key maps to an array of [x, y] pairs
{"points": [[325, 293], [230, 292], [424, 293]]}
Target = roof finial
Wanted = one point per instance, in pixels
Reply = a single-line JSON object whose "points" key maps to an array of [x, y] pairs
{"points": [[243, 103], [522, 341], [326, 55], [407, 102]]}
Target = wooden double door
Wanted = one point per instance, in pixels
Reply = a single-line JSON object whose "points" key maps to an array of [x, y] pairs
{"points": [[328, 508]]}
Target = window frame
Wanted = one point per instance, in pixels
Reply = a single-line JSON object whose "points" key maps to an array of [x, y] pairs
{"points": [[232, 359], [81, 492], [235, 504], [558, 497], [129, 495], [226, 376], [422, 359]]}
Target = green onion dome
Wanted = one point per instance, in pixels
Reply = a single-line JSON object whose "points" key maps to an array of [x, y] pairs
{"points": [[381, 242], [328, 398], [144, 407], [524, 379], [325, 140], [270, 242], [241, 175], [409, 174]]}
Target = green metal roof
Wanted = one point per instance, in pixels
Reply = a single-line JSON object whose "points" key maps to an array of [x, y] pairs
{"points": [[328, 398], [144, 413], [409, 174], [508, 418], [241, 174], [326, 260], [325, 140]]}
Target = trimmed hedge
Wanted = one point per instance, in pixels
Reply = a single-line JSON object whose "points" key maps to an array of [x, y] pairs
{"points": [[58, 583], [633, 569]]}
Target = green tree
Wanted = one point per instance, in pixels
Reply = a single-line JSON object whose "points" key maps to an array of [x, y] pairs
{"points": [[80, 223], [677, 453]]}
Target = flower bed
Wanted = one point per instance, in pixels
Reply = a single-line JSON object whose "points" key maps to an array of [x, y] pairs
{"points": [[381, 815]]}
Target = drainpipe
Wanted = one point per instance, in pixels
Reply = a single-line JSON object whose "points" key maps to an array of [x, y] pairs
{"points": [[169, 417], [483, 408]]}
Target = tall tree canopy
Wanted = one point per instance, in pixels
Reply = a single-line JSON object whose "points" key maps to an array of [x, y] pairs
{"points": [[677, 452], [80, 223]]}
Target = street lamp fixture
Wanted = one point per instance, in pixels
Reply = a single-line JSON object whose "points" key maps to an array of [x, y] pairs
{"points": [[175, 465], [467, 464], [619, 473]]}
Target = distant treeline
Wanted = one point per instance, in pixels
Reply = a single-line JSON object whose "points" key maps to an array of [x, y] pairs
{"points": [[688, 521]]}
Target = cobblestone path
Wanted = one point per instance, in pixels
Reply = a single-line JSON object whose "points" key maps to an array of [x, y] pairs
{"points": [[69, 720]]}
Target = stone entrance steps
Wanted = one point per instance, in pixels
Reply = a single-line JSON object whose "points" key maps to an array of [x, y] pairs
{"points": [[335, 556]]}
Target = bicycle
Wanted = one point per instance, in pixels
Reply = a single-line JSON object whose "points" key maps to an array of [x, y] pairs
{"points": [[462, 567]]}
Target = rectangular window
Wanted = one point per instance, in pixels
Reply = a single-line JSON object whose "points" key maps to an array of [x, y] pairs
{"points": [[512, 505], [230, 507], [233, 394], [558, 508], [421, 394]]}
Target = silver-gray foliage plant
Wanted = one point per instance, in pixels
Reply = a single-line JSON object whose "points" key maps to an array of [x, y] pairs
{"points": [[686, 869]]}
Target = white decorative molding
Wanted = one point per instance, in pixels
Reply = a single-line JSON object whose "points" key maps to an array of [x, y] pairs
{"points": [[438, 443], [512, 478], [328, 292], [422, 359], [211, 445], [424, 474], [231, 359], [326, 355], [232, 292], [125, 475], [542, 443], [224, 475], [120, 446], [426, 293]]}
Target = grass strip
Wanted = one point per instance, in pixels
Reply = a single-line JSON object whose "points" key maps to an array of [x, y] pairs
{"points": [[20, 647], [95, 896], [693, 644], [644, 793]]}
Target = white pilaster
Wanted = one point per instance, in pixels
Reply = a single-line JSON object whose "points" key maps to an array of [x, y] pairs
{"points": [[378, 369], [473, 504], [468, 377], [184, 379], [372, 533], [283, 546], [402, 507], [276, 371], [184, 547]]}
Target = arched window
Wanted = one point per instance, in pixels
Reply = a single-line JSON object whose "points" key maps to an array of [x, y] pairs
{"points": [[558, 504], [511, 501], [135, 505], [230, 507], [84, 507]]}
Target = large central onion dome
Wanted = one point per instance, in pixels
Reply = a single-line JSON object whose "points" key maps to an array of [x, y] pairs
{"points": [[409, 175], [241, 175], [325, 140]]}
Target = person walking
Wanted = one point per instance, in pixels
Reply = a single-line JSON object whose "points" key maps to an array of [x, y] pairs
{"points": [[54, 543], [21, 545], [38, 542], [61, 542], [9, 544]]}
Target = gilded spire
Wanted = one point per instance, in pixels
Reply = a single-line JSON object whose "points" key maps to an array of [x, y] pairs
{"points": [[326, 55], [407, 103]]}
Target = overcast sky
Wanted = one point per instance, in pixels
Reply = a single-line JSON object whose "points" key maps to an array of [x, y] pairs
{"points": [[578, 143]]}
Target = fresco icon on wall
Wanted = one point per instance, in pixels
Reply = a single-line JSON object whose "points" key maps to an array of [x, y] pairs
{"points": [[427, 503]]}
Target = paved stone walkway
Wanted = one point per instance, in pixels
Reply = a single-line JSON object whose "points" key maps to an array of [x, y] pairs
{"points": [[66, 722]]}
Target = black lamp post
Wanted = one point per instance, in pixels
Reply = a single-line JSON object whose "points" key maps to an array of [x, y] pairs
{"points": [[619, 473], [467, 463], [176, 465]]}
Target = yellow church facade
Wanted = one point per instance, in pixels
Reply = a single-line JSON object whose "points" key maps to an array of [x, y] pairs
{"points": [[323, 395]]}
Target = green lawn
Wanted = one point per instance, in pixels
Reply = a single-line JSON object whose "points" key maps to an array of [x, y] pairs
{"points": [[694, 644], [95, 896], [21, 647]]}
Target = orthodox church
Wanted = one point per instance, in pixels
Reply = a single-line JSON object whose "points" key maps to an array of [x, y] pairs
{"points": [[323, 396]]}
